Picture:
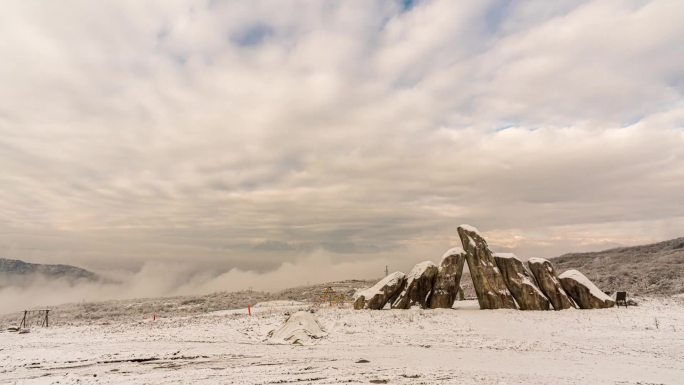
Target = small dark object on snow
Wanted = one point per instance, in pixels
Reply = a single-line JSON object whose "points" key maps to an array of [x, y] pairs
{"points": [[362, 361], [379, 381], [621, 298]]}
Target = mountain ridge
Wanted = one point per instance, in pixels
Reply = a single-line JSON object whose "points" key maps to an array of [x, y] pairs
{"points": [[655, 268], [13, 270]]}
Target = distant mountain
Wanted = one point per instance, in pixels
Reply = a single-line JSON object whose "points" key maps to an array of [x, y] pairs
{"points": [[657, 268], [16, 272]]}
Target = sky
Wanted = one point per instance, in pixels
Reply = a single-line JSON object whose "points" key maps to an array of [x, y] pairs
{"points": [[268, 143]]}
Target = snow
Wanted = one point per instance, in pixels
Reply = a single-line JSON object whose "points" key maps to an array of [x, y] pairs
{"points": [[431, 347], [507, 255], [472, 229], [418, 270], [390, 279], [300, 328], [452, 251], [278, 304], [584, 281], [536, 260]]}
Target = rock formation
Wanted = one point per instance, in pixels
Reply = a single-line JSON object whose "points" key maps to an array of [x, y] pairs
{"points": [[490, 288], [549, 284], [584, 292], [377, 296], [446, 287], [501, 281], [520, 282], [417, 288]]}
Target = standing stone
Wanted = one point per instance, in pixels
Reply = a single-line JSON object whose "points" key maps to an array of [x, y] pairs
{"points": [[490, 287], [520, 283], [448, 279], [376, 297], [417, 288], [584, 292], [549, 284]]}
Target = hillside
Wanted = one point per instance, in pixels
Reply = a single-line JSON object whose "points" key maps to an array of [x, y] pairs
{"points": [[657, 268], [78, 313], [18, 273]]}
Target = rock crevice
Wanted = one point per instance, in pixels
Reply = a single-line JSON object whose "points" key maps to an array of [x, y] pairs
{"points": [[521, 283], [550, 284]]}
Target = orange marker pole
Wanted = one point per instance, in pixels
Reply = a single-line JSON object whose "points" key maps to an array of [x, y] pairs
{"points": [[249, 310]]}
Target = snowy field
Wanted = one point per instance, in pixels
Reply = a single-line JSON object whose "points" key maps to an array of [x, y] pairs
{"points": [[638, 345]]}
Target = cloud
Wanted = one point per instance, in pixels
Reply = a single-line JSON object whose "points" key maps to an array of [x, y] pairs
{"points": [[232, 135]]}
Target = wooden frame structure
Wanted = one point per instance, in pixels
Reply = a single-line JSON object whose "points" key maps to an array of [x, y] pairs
{"points": [[43, 316]]}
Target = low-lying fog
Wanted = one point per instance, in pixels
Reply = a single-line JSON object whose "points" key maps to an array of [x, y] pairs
{"points": [[156, 279]]}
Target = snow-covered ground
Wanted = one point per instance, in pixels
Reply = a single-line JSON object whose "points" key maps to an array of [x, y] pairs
{"points": [[637, 345]]}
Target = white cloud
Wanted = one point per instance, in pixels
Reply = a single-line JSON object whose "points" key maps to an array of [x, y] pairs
{"points": [[244, 135]]}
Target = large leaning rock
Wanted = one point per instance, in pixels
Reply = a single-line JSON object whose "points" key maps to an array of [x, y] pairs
{"points": [[584, 292], [520, 283], [490, 287], [417, 288], [549, 283], [445, 290], [376, 297]]}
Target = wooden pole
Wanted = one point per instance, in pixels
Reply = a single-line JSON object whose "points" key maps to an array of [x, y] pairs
{"points": [[23, 321]]}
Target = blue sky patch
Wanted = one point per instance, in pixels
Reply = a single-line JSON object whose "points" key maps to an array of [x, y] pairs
{"points": [[252, 35], [407, 5]]}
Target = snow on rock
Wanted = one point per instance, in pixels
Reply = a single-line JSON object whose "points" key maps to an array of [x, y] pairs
{"points": [[521, 283], [300, 328], [549, 284], [452, 251], [471, 229], [584, 292], [417, 288], [377, 296], [506, 255], [490, 287], [447, 282]]}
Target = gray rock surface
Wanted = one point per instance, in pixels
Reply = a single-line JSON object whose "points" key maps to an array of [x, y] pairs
{"points": [[489, 284], [446, 287], [549, 284], [376, 297], [584, 292], [417, 288], [521, 283]]}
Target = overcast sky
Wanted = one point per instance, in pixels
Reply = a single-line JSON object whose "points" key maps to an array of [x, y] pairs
{"points": [[265, 136]]}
